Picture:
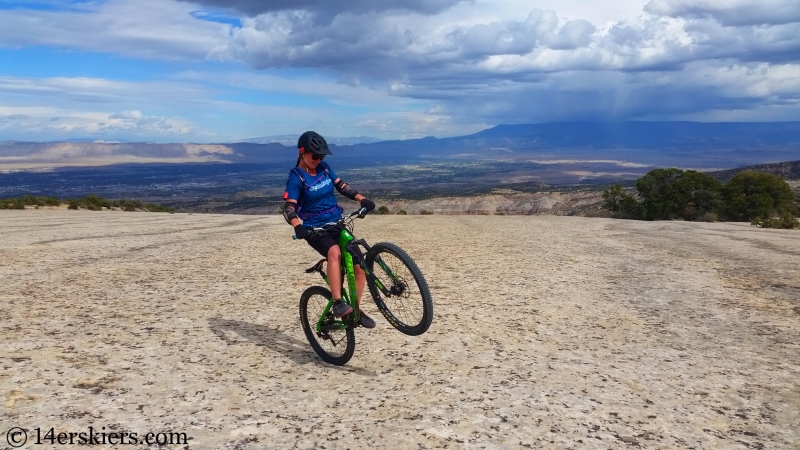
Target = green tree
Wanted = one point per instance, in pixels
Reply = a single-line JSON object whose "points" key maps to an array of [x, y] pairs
{"points": [[700, 194], [751, 196], [656, 191], [383, 210], [621, 203], [674, 193]]}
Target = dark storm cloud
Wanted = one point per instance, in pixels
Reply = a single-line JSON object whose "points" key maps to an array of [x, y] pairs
{"points": [[596, 96], [329, 7], [390, 46], [673, 62], [676, 59], [730, 12]]}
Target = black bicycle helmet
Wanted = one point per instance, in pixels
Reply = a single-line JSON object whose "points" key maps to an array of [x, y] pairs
{"points": [[312, 142]]}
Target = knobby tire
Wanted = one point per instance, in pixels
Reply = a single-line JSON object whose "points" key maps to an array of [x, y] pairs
{"points": [[411, 310], [334, 347]]}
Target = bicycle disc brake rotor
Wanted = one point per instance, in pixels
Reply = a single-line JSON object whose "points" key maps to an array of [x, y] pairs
{"points": [[398, 287]]}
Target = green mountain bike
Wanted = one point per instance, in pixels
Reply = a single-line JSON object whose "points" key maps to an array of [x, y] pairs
{"points": [[394, 281]]}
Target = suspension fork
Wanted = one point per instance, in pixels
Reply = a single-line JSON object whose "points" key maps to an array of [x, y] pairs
{"points": [[371, 278]]}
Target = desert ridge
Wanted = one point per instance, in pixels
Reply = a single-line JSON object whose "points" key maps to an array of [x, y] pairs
{"points": [[548, 331]]}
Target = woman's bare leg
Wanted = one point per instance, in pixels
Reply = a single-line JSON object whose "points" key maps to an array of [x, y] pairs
{"points": [[361, 281], [334, 272]]}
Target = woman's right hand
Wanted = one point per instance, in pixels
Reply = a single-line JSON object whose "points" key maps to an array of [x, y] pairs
{"points": [[300, 231]]}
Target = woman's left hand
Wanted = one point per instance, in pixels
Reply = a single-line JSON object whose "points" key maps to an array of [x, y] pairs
{"points": [[367, 203]]}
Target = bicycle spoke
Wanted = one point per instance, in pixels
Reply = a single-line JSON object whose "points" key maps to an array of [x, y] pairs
{"points": [[333, 345], [407, 306]]}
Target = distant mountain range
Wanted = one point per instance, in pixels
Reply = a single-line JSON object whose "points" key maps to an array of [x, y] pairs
{"points": [[290, 140], [683, 144], [661, 135], [696, 145], [788, 170]]}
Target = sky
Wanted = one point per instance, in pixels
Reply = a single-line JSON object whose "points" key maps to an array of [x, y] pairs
{"points": [[229, 70]]}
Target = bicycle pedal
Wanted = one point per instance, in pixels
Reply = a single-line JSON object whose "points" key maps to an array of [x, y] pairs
{"points": [[348, 320]]}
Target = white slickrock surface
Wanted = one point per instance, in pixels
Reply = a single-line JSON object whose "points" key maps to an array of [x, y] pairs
{"points": [[549, 331]]}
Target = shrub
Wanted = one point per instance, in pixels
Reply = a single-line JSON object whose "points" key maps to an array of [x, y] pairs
{"points": [[786, 221], [91, 202], [708, 217], [621, 203], [425, 212], [763, 199], [29, 200], [601, 213], [402, 212], [96, 203], [673, 194], [154, 207], [12, 203], [751, 196], [133, 205], [35, 201], [383, 210]]}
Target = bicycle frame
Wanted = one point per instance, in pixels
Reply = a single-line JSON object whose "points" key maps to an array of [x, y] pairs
{"points": [[347, 261]]}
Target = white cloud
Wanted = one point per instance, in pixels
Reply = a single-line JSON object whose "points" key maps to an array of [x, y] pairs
{"points": [[99, 90], [144, 28], [419, 68], [29, 122], [406, 45], [135, 120], [540, 29]]}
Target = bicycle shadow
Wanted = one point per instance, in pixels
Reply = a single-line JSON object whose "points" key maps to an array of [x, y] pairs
{"points": [[276, 340]]}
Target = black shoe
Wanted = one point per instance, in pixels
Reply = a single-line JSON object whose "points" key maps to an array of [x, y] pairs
{"points": [[364, 320], [341, 308]]}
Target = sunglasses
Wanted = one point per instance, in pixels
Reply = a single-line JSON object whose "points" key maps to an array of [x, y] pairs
{"points": [[317, 157]]}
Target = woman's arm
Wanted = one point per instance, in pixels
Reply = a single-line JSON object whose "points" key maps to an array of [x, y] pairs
{"points": [[290, 212], [347, 191], [351, 193]]}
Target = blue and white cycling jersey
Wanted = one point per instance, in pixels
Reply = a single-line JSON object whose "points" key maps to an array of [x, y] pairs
{"points": [[317, 204]]}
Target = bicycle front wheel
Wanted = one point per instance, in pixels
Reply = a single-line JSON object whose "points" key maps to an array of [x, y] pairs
{"points": [[409, 307], [335, 345]]}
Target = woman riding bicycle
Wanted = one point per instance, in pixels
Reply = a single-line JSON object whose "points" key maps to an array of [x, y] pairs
{"points": [[310, 202]]}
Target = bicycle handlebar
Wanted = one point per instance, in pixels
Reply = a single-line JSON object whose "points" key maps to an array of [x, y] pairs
{"points": [[361, 213]]}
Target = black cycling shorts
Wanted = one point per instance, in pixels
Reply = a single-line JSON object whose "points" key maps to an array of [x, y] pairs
{"points": [[324, 240]]}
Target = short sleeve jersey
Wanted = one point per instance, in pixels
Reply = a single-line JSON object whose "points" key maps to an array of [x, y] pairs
{"points": [[318, 203]]}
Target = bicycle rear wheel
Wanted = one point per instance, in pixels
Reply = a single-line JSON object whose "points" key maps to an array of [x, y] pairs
{"points": [[409, 308], [334, 345]]}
